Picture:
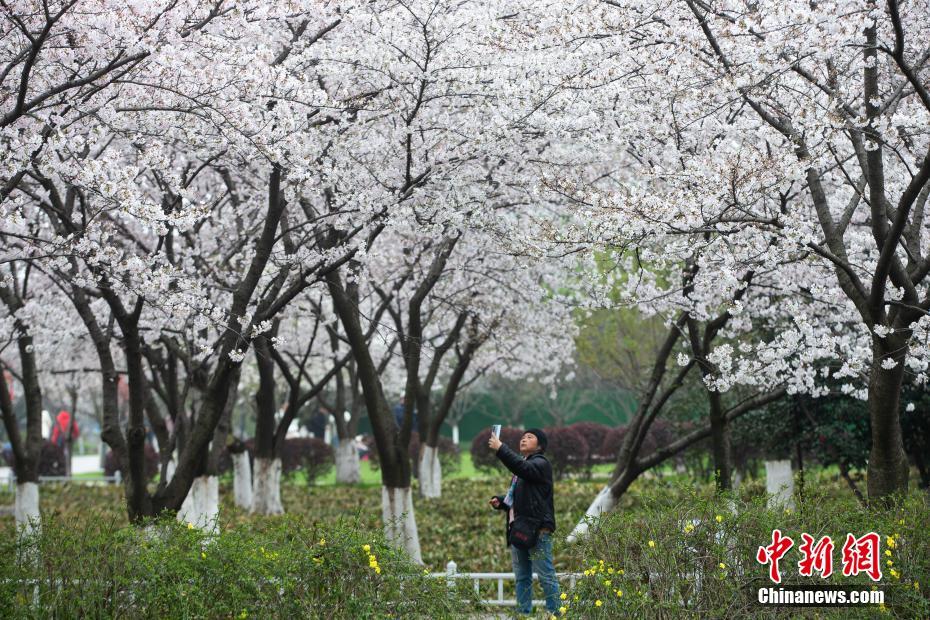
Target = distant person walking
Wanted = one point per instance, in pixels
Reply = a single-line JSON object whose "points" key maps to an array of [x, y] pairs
{"points": [[530, 513]]}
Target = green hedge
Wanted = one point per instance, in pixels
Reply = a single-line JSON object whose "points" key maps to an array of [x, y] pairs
{"points": [[641, 563], [167, 570]]}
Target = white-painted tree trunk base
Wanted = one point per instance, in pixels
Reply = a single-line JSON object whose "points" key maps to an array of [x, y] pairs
{"points": [[779, 483], [169, 470], [201, 507], [400, 524], [455, 434], [430, 473], [737, 479], [26, 509], [266, 487], [604, 502], [348, 469], [242, 480]]}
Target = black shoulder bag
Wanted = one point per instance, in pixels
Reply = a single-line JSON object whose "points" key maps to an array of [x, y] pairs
{"points": [[524, 533]]}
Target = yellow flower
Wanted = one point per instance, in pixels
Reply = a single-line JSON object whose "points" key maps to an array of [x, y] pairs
{"points": [[619, 593], [425, 572], [366, 548], [787, 511], [722, 566], [607, 582], [652, 543], [610, 571], [587, 572], [895, 574], [378, 569], [563, 609], [322, 542], [563, 596], [203, 555], [890, 563], [600, 562], [888, 552], [190, 525], [916, 586], [689, 528], [598, 603], [901, 522], [620, 571], [244, 614], [575, 598], [891, 542], [719, 519]]}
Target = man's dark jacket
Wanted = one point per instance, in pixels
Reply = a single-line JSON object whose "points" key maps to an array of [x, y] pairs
{"points": [[533, 495]]}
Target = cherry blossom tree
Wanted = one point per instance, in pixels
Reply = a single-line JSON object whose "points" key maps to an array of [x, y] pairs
{"points": [[823, 110]]}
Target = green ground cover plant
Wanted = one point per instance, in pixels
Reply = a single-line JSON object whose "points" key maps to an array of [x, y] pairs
{"points": [[286, 569], [665, 529]]}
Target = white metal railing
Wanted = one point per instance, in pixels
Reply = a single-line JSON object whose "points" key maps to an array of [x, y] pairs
{"points": [[452, 574]]}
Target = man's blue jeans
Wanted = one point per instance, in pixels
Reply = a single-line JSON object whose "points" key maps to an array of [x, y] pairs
{"points": [[538, 560]]}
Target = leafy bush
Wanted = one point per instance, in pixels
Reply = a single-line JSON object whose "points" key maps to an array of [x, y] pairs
{"points": [[308, 454], [594, 434], [695, 557], [482, 458], [111, 465], [660, 433], [51, 459], [567, 451], [285, 570]]}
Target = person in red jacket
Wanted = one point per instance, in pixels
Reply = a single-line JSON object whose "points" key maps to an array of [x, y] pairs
{"points": [[60, 431]]}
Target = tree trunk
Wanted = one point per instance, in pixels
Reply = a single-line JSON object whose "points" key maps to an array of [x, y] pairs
{"points": [[604, 502], [266, 487], [266, 481], [26, 453], [400, 525], [888, 467], [347, 464], [390, 443], [720, 442], [630, 466], [779, 483], [26, 509], [201, 506], [138, 500], [226, 370], [430, 472], [242, 480]]}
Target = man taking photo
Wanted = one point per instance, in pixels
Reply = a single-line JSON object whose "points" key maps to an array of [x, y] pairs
{"points": [[530, 517]]}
